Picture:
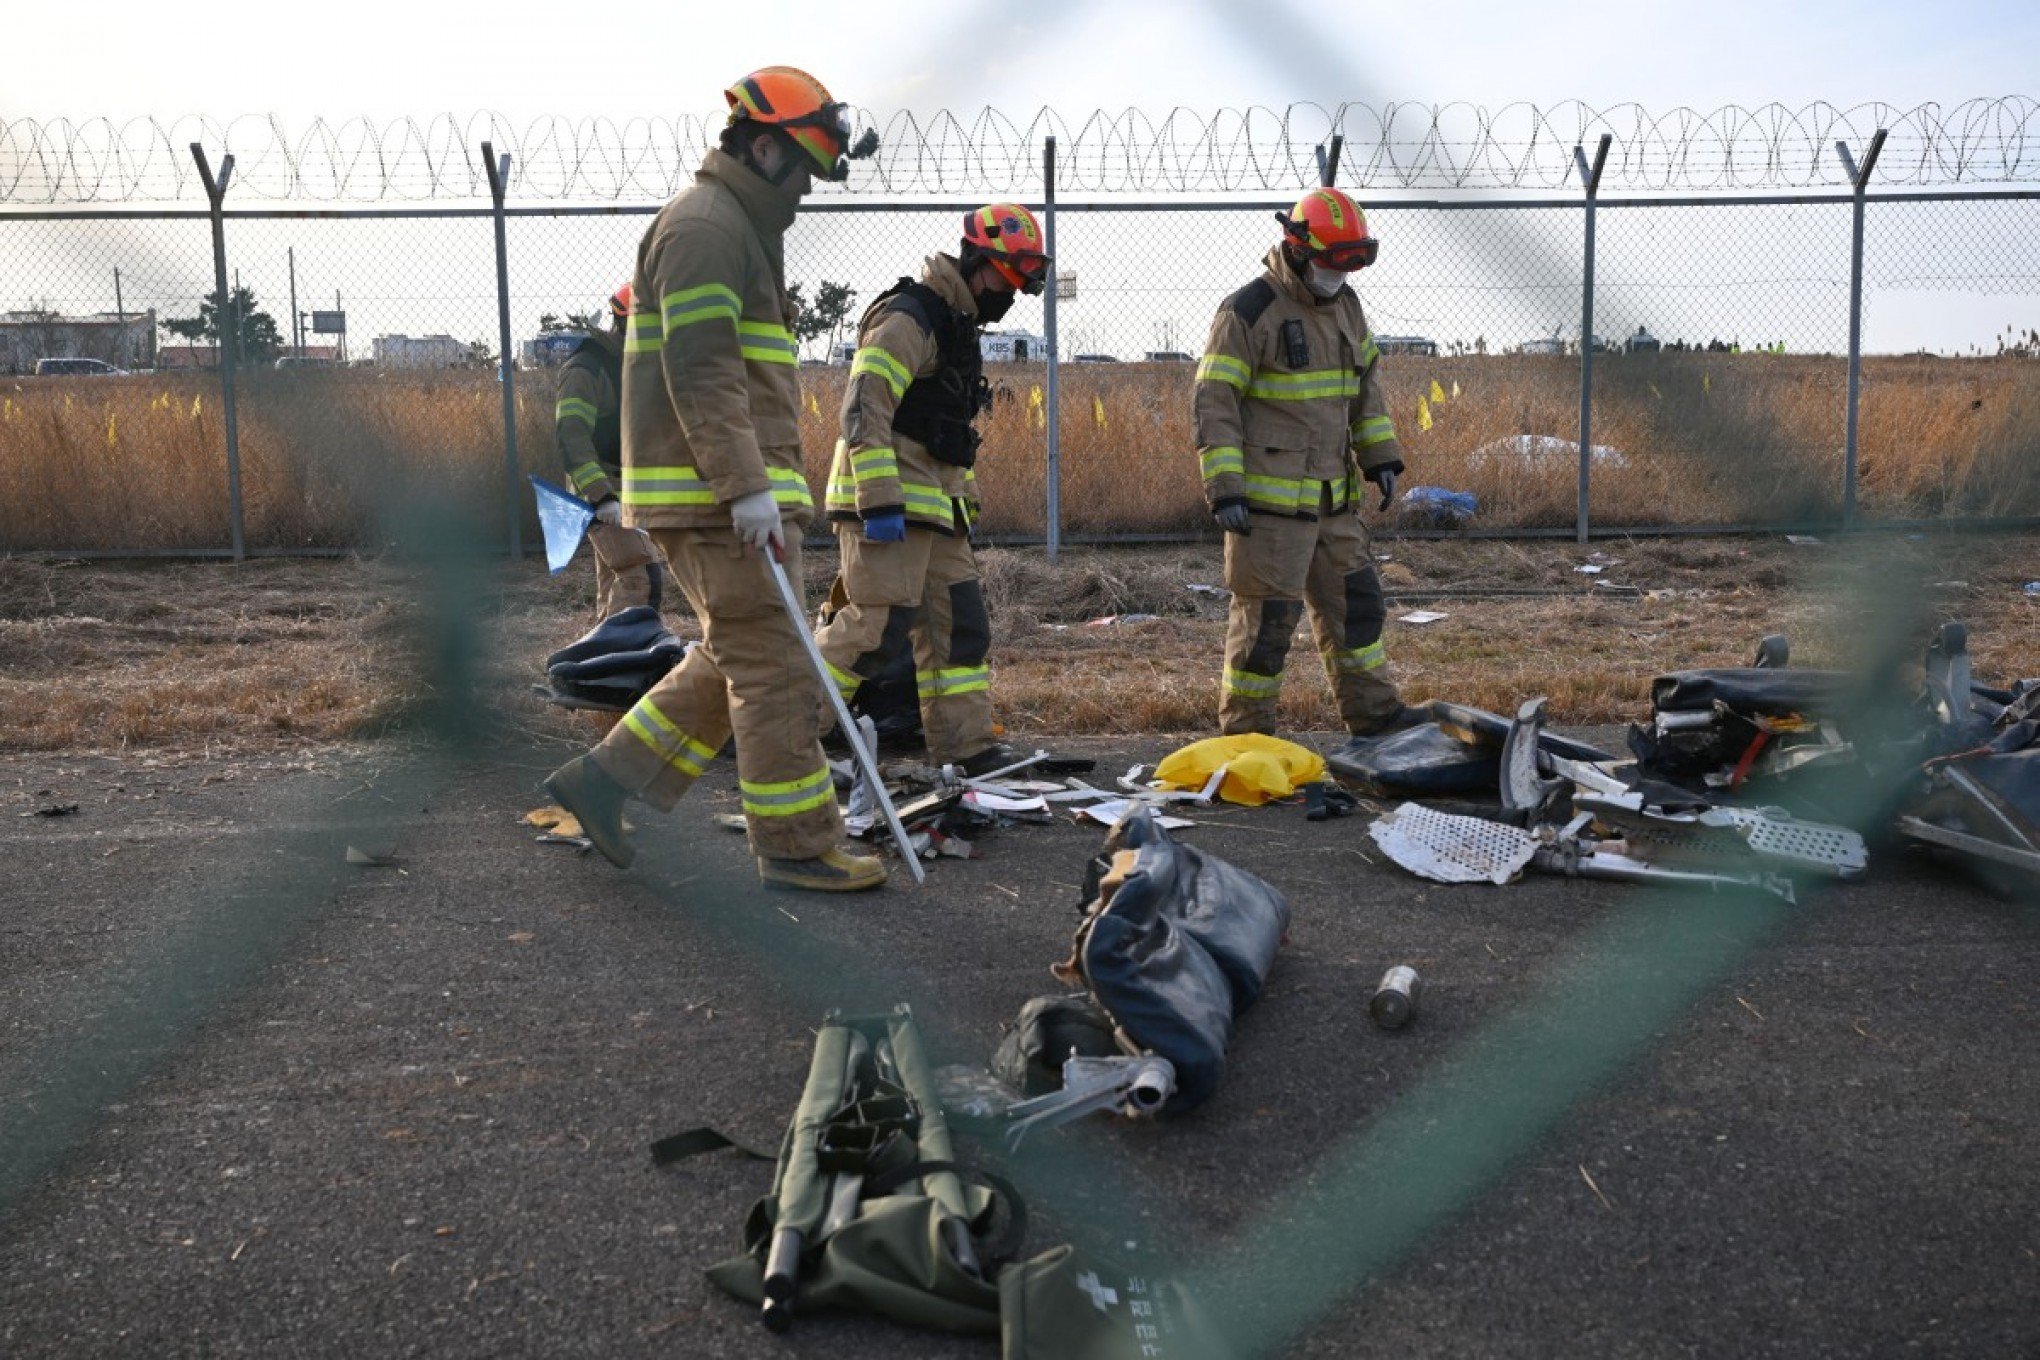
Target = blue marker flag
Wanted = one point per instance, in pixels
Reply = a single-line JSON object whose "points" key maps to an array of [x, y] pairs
{"points": [[565, 520]]}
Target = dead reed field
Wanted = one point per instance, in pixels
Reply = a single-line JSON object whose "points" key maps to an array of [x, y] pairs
{"points": [[139, 462], [190, 660]]}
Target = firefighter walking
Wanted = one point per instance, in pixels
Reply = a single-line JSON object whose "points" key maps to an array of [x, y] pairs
{"points": [[712, 467], [902, 491], [588, 430], [1290, 419]]}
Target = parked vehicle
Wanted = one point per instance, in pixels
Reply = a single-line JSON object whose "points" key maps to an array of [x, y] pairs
{"points": [[304, 361], [1093, 359], [76, 368]]}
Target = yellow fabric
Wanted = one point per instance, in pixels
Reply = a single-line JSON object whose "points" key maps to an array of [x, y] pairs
{"points": [[1257, 768]]}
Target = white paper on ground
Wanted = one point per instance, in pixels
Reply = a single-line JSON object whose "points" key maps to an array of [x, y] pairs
{"points": [[1106, 814], [1421, 616]]}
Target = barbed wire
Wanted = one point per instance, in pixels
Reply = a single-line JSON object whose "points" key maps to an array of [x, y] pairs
{"points": [[1456, 146]]}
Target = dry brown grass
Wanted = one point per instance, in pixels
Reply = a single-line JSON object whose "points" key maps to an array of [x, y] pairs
{"points": [[267, 655], [139, 462]]}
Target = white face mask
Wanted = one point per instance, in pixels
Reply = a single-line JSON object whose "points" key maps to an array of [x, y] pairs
{"points": [[1322, 281]]}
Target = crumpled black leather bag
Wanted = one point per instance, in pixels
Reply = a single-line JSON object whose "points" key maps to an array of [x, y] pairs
{"points": [[1175, 943], [616, 661]]}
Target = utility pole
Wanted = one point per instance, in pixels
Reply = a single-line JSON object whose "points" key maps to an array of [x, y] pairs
{"points": [[297, 329], [120, 315]]}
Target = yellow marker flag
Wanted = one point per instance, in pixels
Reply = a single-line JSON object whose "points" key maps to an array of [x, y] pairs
{"points": [[1098, 411], [813, 409], [1655, 393], [1423, 414], [111, 441], [1455, 389], [1706, 383], [1437, 393], [197, 405]]}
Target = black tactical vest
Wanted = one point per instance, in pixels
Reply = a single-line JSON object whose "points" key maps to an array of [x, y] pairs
{"points": [[937, 411], [608, 424]]}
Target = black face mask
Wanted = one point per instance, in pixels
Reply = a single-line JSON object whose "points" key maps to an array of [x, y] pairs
{"points": [[993, 306]]}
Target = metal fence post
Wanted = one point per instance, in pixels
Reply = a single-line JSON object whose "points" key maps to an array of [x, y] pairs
{"points": [[1859, 176], [1590, 179], [227, 317], [1328, 162], [1054, 414], [506, 371]]}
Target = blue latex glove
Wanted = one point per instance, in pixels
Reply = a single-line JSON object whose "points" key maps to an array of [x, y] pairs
{"points": [[888, 527]]}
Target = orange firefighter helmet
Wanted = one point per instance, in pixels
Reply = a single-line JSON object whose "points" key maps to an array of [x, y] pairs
{"points": [[1009, 238], [1328, 228], [793, 101], [619, 302]]}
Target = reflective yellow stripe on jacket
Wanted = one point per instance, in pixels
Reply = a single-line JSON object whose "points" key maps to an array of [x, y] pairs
{"points": [[1224, 368], [683, 485], [1312, 386], [872, 359]]}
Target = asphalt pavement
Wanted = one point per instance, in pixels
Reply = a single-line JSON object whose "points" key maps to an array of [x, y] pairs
{"points": [[257, 1099]]}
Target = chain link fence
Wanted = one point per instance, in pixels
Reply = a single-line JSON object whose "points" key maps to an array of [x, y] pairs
{"points": [[371, 363]]}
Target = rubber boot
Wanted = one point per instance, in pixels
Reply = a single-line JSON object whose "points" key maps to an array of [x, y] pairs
{"points": [[583, 788], [835, 871], [997, 756]]}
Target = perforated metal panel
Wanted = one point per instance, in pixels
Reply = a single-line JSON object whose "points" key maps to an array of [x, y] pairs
{"points": [[1449, 849]]}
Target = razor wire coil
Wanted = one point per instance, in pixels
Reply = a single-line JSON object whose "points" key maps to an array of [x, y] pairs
{"points": [[1405, 146]]}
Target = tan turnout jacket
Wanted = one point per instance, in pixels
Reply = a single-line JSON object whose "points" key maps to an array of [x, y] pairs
{"points": [[585, 417], [711, 383], [874, 468], [1274, 431]]}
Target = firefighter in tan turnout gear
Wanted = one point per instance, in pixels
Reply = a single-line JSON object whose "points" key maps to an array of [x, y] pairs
{"points": [[712, 467], [588, 428], [902, 492], [1290, 418]]}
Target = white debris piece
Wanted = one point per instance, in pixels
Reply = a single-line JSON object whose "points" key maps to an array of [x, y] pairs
{"points": [[1448, 849]]}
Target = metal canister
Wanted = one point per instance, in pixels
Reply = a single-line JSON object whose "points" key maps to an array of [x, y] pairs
{"points": [[1395, 1000]]}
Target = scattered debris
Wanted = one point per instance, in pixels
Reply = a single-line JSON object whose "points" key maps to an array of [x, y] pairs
{"points": [[1215, 592], [53, 810], [1395, 1000], [1114, 620], [380, 858], [1590, 569], [1436, 506], [1803, 540], [1421, 616]]}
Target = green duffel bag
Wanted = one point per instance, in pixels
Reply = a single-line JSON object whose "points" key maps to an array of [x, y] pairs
{"points": [[869, 1210]]}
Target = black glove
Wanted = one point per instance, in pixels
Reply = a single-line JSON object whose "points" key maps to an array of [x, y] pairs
{"points": [[1232, 517], [1384, 477]]}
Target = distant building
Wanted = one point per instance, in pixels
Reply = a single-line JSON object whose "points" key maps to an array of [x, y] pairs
{"points": [[1643, 342], [1543, 344], [1406, 344], [124, 340], [419, 351]]}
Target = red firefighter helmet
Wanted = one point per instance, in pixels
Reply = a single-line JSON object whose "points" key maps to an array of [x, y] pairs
{"points": [[1328, 228], [619, 302], [1006, 235], [797, 104]]}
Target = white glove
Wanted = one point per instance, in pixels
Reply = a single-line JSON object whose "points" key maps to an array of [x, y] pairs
{"points": [[756, 518], [610, 511]]}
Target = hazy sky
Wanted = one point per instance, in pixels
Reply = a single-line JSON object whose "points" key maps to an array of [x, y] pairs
{"points": [[386, 59]]}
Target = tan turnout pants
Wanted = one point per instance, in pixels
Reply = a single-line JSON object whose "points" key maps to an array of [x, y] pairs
{"points": [[623, 561], [1285, 566], [921, 591], [750, 675]]}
